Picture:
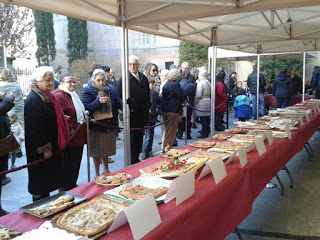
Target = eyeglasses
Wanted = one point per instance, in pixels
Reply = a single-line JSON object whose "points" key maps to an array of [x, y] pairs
{"points": [[133, 64], [154, 70], [71, 82]]}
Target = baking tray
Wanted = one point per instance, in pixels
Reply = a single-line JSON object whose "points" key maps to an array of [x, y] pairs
{"points": [[44, 203]]}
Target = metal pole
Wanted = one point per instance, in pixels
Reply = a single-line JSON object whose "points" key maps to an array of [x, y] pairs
{"points": [[125, 87], [185, 122], [304, 76], [88, 142], [213, 88], [258, 73], [3, 57]]}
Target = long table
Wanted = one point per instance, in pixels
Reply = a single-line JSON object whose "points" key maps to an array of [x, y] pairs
{"points": [[215, 209], [271, 101]]}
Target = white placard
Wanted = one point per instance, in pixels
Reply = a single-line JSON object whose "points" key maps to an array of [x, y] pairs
{"points": [[185, 187], [84, 238], [143, 216], [307, 117], [205, 171], [230, 158], [286, 128], [243, 156], [270, 137], [181, 188], [260, 146], [120, 220], [301, 120], [218, 169]]}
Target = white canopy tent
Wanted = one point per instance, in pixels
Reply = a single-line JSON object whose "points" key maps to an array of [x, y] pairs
{"points": [[235, 24]]}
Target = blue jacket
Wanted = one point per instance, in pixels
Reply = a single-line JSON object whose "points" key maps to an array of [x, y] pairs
{"points": [[189, 90], [172, 97], [242, 106], [92, 104], [315, 80], [282, 86]]}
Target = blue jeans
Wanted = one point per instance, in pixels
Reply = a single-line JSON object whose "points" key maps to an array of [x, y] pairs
{"points": [[283, 101], [205, 122], [254, 105], [148, 139]]}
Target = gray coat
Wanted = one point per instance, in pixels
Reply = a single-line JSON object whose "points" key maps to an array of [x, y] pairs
{"points": [[202, 99]]}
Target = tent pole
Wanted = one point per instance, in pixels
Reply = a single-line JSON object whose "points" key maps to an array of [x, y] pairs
{"points": [[125, 88], [258, 83], [213, 87], [303, 76]]}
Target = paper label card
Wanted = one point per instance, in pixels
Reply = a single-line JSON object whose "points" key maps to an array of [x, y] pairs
{"points": [[230, 158], [143, 216], [84, 238], [260, 146], [185, 187], [205, 171], [181, 188], [301, 120], [307, 117], [270, 137], [286, 128], [120, 220], [243, 156], [218, 169]]}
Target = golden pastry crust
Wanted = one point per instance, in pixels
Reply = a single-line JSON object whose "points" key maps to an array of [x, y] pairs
{"points": [[220, 137], [176, 153], [203, 144], [61, 203], [113, 179], [91, 217], [137, 192]]}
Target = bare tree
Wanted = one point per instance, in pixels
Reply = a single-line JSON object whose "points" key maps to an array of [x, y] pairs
{"points": [[16, 24]]}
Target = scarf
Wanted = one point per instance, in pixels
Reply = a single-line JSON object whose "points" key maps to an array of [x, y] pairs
{"points": [[103, 92], [76, 102], [63, 130]]}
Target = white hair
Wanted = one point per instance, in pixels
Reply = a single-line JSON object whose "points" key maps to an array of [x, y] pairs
{"points": [[164, 72], [133, 57], [39, 73], [98, 72], [184, 64], [173, 74], [203, 73]]}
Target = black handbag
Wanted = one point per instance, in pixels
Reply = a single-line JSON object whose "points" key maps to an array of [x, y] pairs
{"points": [[8, 144]]}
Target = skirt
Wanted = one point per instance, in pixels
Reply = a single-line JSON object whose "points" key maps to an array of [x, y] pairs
{"points": [[102, 144]]}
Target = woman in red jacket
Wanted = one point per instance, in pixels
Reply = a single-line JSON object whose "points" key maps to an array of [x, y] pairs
{"points": [[221, 101], [74, 111]]}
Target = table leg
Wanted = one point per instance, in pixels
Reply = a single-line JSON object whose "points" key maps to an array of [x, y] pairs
{"points": [[238, 233], [291, 179], [282, 187]]}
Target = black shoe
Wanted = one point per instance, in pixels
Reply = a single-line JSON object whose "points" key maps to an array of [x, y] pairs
{"points": [[159, 143], [194, 125], [5, 181], [175, 143], [189, 137], [202, 136], [144, 156], [3, 212], [110, 160], [19, 154], [179, 136]]}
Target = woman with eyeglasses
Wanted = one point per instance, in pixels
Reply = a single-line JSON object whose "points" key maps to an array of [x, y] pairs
{"points": [[74, 111], [101, 99]]}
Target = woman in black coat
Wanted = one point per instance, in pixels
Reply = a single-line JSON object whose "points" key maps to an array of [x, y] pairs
{"points": [[46, 133], [6, 104]]}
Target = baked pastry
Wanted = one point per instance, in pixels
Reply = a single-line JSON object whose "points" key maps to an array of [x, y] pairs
{"points": [[4, 234], [91, 217], [61, 203], [232, 146], [202, 144], [40, 212], [246, 138], [237, 130], [176, 153], [220, 137], [113, 179], [137, 192]]}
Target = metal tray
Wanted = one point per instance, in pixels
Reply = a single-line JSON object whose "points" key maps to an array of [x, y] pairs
{"points": [[44, 203]]}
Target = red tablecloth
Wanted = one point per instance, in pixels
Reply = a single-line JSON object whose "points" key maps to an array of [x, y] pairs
{"points": [[271, 101], [215, 210]]}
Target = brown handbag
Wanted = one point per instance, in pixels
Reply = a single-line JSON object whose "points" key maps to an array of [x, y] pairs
{"points": [[8, 144]]}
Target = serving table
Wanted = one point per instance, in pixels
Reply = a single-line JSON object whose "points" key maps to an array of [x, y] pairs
{"points": [[215, 210]]}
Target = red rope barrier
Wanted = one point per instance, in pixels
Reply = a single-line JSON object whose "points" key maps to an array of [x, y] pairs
{"points": [[140, 129], [198, 110], [37, 161]]}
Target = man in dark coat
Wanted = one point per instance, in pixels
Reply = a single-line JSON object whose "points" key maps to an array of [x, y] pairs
{"points": [[282, 89], [189, 89], [6, 104], [252, 85], [315, 81], [296, 82], [140, 101]]}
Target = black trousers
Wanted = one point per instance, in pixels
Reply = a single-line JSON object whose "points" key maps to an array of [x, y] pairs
{"points": [[218, 120], [72, 161], [181, 126], [3, 167], [317, 94], [136, 138]]}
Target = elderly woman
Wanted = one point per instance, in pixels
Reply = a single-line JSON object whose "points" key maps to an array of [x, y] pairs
{"points": [[172, 98], [46, 133], [74, 110], [203, 103], [99, 97]]}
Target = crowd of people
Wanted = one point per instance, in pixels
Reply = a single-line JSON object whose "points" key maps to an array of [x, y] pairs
{"points": [[52, 120]]}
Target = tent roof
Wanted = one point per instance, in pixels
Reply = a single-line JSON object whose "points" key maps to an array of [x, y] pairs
{"points": [[237, 23]]}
